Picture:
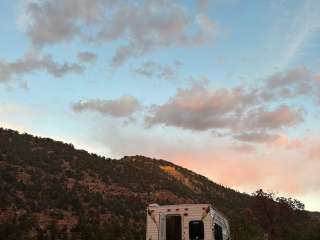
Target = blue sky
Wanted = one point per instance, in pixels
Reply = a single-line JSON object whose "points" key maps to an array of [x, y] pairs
{"points": [[199, 83]]}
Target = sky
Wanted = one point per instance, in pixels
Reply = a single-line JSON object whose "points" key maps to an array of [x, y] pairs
{"points": [[227, 88]]}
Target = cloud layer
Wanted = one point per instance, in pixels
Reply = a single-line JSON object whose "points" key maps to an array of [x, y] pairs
{"points": [[142, 26], [260, 114], [236, 110], [251, 114]]}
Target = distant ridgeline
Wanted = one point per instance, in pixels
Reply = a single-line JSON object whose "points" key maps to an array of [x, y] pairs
{"points": [[49, 190]]}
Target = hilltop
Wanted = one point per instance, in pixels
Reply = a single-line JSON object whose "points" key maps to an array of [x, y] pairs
{"points": [[50, 190]]}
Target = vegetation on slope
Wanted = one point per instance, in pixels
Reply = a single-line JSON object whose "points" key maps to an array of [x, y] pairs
{"points": [[49, 190]]}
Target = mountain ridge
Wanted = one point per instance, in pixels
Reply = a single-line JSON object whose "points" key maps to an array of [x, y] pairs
{"points": [[50, 190]]}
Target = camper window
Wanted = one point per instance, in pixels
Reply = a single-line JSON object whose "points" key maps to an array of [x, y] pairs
{"points": [[173, 227], [218, 232], [196, 231]]}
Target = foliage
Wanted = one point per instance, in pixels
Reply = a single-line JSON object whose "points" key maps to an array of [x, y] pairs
{"points": [[50, 190]]}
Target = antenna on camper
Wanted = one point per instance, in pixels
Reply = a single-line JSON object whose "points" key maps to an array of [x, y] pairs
{"points": [[205, 213]]}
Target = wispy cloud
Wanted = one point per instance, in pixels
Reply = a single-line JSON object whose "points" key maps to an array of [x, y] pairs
{"points": [[125, 106], [303, 23], [33, 62], [151, 69], [87, 57]]}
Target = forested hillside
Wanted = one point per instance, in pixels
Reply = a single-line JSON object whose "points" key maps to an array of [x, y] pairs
{"points": [[50, 190]]}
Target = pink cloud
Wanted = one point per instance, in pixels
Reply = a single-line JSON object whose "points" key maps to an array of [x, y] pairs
{"points": [[250, 173], [283, 141]]}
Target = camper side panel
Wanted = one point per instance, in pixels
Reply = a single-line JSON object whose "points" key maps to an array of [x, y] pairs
{"points": [[219, 219], [152, 228]]}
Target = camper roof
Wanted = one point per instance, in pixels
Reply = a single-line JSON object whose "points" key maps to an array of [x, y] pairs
{"points": [[182, 205]]}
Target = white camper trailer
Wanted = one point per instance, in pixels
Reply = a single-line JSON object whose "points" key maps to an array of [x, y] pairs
{"points": [[186, 222]]}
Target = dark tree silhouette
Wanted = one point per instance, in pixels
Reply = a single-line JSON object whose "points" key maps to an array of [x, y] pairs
{"points": [[274, 214]]}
